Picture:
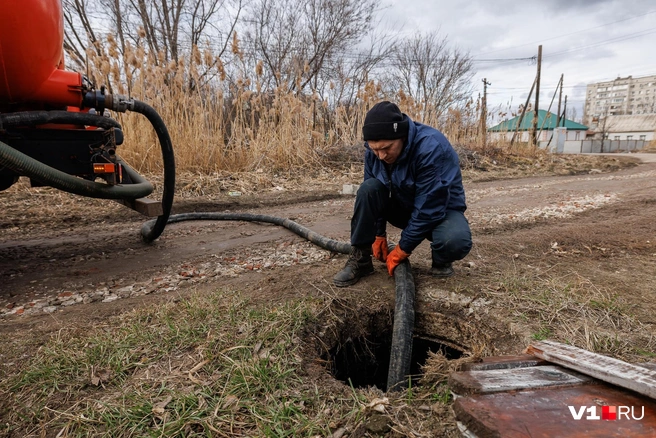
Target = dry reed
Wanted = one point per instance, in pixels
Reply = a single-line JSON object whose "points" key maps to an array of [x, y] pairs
{"points": [[220, 122]]}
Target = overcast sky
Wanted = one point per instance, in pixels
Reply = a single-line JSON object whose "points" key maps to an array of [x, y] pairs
{"points": [[586, 40]]}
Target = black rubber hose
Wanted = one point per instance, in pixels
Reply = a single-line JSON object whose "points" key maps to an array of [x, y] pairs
{"points": [[306, 233], [23, 164], [152, 230], [34, 118], [404, 323]]}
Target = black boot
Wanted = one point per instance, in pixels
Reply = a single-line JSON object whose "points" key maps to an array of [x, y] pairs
{"points": [[358, 265], [442, 270]]}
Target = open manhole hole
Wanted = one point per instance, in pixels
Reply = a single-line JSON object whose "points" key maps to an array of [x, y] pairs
{"points": [[361, 356]]}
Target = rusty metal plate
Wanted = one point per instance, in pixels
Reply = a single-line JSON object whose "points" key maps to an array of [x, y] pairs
{"points": [[546, 413]]}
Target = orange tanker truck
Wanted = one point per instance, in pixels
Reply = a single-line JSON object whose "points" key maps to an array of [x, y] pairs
{"points": [[54, 127]]}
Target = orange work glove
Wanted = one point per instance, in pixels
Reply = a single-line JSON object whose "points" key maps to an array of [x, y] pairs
{"points": [[380, 248], [396, 256]]}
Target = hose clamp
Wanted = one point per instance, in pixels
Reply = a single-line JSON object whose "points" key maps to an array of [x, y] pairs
{"points": [[120, 103]]}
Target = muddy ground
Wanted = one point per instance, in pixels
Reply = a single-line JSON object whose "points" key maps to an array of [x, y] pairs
{"points": [[68, 258], [71, 261]]}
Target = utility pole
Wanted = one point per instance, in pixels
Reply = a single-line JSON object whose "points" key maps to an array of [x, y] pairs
{"points": [[537, 97], [548, 116], [564, 110], [521, 117], [484, 113], [560, 97]]}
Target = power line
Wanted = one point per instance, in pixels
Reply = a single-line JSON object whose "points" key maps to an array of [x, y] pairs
{"points": [[253, 50], [636, 75], [604, 42], [568, 34], [530, 58], [569, 87]]}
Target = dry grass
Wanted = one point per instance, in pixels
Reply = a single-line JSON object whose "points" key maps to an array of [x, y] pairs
{"points": [[192, 367], [571, 309], [220, 123], [438, 367], [209, 365]]}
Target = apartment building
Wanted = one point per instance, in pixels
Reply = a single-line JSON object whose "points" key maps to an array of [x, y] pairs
{"points": [[622, 96]]}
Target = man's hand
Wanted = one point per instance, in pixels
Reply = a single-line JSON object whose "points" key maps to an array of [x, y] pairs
{"points": [[394, 258], [380, 248]]}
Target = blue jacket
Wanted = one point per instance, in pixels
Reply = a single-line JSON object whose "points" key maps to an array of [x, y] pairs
{"points": [[425, 180]]}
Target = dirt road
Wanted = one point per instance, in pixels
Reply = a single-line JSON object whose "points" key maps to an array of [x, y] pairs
{"points": [[85, 260]]}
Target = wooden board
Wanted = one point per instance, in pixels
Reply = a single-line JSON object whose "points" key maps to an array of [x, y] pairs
{"points": [[147, 207], [503, 362], [648, 365], [513, 379], [545, 413], [608, 369]]}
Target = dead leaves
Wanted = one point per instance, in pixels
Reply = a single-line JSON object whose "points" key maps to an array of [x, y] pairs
{"points": [[159, 409], [559, 250], [191, 372], [100, 376], [378, 405]]}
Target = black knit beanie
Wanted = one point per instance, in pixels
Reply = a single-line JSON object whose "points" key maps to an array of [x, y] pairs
{"points": [[384, 121]]}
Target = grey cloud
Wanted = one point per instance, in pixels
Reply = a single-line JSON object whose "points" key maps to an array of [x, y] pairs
{"points": [[559, 5]]}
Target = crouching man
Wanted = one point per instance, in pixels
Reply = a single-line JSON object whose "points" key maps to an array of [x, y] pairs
{"points": [[412, 180]]}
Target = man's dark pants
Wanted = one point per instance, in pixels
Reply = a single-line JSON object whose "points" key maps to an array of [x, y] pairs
{"points": [[450, 239]]}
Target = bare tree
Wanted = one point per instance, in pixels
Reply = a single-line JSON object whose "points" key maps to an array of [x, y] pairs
{"points": [[572, 114], [342, 80], [324, 48], [271, 36], [346, 76], [118, 14], [431, 72], [161, 22], [604, 128], [80, 33], [201, 13], [297, 40], [168, 27]]}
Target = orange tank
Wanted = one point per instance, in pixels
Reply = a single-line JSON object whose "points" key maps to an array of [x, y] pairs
{"points": [[31, 56]]}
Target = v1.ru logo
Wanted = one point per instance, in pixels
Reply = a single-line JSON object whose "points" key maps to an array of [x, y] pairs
{"points": [[607, 412]]}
